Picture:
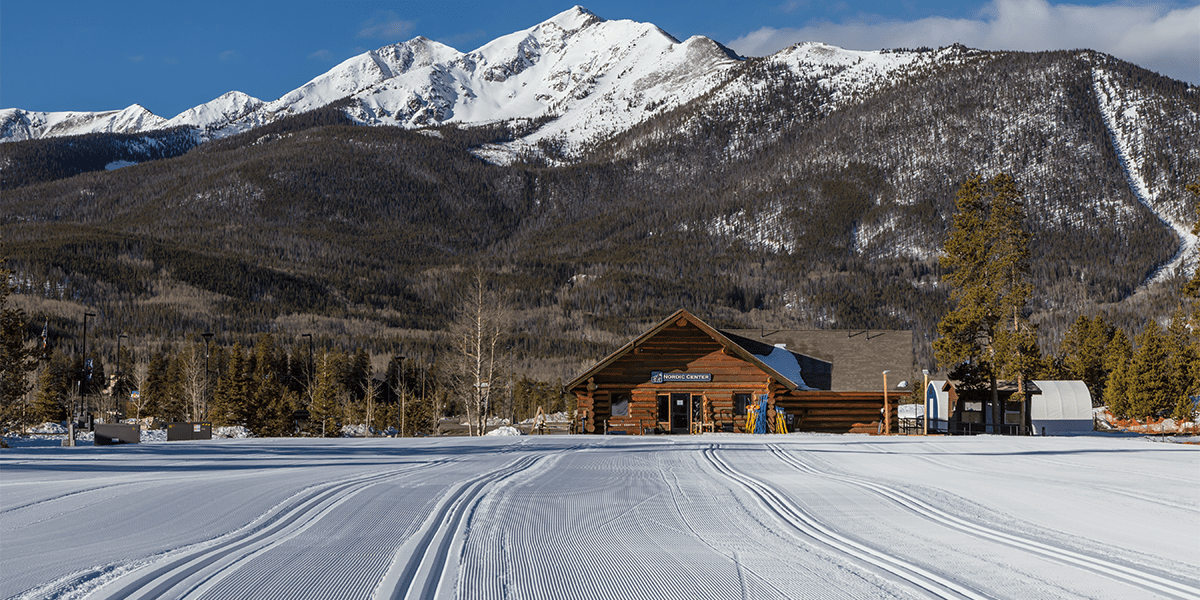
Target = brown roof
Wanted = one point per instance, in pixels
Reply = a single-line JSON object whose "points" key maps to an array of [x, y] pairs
{"points": [[858, 357]]}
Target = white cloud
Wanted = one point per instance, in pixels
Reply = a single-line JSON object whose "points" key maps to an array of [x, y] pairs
{"points": [[228, 55], [1153, 36], [387, 26], [322, 55]]}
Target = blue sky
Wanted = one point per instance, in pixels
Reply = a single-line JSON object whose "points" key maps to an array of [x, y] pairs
{"points": [[171, 56]]}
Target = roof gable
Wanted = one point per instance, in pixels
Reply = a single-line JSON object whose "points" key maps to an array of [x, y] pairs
{"points": [[769, 363]]}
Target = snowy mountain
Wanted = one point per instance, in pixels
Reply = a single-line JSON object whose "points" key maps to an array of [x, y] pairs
{"points": [[17, 124], [217, 114], [591, 77], [613, 143]]}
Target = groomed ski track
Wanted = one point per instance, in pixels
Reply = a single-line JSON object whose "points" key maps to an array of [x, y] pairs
{"points": [[711, 517]]}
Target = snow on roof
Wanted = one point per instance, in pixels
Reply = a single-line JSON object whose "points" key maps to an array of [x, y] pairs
{"points": [[784, 362]]}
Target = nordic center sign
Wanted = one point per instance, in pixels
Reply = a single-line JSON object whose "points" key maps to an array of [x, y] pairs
{"points": [[660, 377]]}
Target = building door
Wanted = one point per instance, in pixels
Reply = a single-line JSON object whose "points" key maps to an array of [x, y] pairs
{"points": [[680, 407]]}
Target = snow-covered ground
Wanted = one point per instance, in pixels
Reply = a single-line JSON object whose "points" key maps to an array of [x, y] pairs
{"points": [[712, 516]]}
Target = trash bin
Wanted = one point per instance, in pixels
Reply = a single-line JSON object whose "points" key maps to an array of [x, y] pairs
{"points": [[189, 431], [115, 433]]}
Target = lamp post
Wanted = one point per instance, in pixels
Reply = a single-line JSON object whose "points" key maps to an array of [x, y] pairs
{"points": [[207, 335], [116, 388], [310, 363], [402, 418], [887, 412], [925, 393], [83, 376]]}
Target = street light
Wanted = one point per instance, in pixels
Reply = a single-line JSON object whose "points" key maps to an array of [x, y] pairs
{"points": [[116, 388], [82, 403], [310, 363], [207, 335], [403, 416], [887, 413]]}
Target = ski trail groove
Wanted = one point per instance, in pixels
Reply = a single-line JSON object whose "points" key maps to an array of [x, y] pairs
{"points": [[932, 584], [422, 573], [742, 570], [67, 495], [1113, 570], [177, 575]]}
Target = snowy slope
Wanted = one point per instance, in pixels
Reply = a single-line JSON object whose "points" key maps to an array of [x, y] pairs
{"points": [[1129, 113], [17, 124], [217, 114], [716, 516], [593, 77]]}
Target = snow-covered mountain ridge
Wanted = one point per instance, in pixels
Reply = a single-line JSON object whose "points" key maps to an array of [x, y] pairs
{"points": [[596, 77], [588, 78], [580, 88]]}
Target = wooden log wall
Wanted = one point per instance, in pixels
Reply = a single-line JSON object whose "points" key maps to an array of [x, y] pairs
{"points": [[682, 347], [838, 412]]}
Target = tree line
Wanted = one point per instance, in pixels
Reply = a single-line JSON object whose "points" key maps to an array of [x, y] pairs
{"points": [[987, 335]]}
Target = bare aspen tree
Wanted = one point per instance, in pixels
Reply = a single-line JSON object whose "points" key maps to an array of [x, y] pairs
{"points": [[369, 393], [478, 331], [140, 375], [194, 380]]}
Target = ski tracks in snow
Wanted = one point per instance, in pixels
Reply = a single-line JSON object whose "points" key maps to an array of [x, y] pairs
{"points": [[925, 582], [1113, 570], [426, 565], [189, 571]]}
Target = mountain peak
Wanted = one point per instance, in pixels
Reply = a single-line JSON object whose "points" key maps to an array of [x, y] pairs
{"points": [[576, 17]]}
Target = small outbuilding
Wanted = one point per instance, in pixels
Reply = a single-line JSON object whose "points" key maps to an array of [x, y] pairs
{"points": [[1063, 407]]}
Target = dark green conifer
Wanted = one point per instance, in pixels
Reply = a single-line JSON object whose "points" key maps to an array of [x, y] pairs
{"points": [[987, 334]]}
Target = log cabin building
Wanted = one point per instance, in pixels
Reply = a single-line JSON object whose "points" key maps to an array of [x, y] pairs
{"points": [[684, 376]]}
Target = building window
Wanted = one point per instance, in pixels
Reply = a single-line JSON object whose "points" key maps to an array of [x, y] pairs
{"points": [[664, 408], [620, 405], [972, 412], [739, 403]]}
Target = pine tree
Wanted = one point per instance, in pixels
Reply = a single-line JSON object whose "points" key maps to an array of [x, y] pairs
{"points": [[1083, 352], [1150, 384], [357, 374], [266, 384], [157, 386], [17, 357], [325, 412], [1116, 362], [1184, 367], [229, 398], [53, 388], [987, 335]]}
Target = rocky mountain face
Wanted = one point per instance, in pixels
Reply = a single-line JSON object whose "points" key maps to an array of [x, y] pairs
{"points": [[608, 172]]}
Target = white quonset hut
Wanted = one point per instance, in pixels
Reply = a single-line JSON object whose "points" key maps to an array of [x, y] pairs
{"points": [[1063, 407]]}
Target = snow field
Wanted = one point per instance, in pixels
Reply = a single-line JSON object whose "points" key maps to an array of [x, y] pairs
{"points": [[715, 517]]}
